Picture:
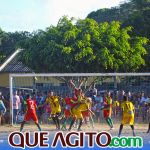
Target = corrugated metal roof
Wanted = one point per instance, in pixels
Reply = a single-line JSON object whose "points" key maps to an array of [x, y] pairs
{"points": [[16, 66]]}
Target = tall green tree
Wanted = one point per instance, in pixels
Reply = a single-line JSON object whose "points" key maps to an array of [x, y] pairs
{"points": [[85, 46]]}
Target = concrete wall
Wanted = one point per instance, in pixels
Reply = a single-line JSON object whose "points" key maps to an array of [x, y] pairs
{"points": [[4, 80]]}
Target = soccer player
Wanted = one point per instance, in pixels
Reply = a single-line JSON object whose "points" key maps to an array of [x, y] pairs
{"points": [[55, 108], [83, 104], [30, 113], [68, 105], [128, 115], [107, 110]]}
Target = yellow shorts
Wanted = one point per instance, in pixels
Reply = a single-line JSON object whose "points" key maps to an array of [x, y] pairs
{"points": [[55, 111], [128, 119], [77, 112]]}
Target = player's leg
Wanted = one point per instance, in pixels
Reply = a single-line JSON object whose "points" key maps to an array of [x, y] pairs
{"points": [[74, 114], [79, 117], [71, 123], [80, 124], [27, 117], [57, 121], [54, 120], [35, 119], [22, 125], [110, 122], [131, 122], [38, 125], [91, 120], [14, 115], [124, 120], [120, 130], [106, 116], [148, 128], [64, 124], [132, 127], [0, 117]]}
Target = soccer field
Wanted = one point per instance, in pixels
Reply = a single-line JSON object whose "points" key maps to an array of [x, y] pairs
{"points": [[140, 130]]}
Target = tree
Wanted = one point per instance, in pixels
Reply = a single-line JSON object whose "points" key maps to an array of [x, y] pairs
{"points": [[135, 13], [9, 42], [84, 46]]}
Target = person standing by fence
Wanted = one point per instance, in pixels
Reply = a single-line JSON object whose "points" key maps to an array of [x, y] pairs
{"points": [[2, 109], [16, 106]]}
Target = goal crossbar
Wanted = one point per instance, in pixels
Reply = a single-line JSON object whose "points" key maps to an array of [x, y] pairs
{"points": [[77, 74]]}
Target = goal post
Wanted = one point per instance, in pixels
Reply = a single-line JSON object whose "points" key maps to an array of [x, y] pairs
{"points": [[59, 83]]}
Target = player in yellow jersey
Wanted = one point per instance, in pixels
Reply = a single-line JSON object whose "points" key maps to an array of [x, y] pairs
{"points": [[83, 104], [128, 115], [55, 108], [116, 107]]}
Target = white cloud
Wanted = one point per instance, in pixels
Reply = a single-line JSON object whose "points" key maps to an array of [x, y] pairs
{"points": [[55, 9], [39, 14]]}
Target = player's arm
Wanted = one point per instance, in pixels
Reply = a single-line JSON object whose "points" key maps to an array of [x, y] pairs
{"points": [[81, 83], [47, 101], [91, 111], [133, 108], [73, 101], [35, 105], [72, 84], [4, 108], [121, 107]]}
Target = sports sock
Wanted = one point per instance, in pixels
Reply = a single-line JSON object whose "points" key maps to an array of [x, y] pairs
{"points": [[22, 125], [71, 124], [54, 120], [110, 121], [148, 128], [57, 122], [38, 126], [107, 120], [132, 127], [92, 121], [80, 124], [120, 130], [64, 124]]}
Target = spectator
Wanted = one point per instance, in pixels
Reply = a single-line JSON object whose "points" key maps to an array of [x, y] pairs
{"points": [[144, 98], [97, 109], [16, 107], [144, 108], [121, 95], [99, 98], [2, 108]]}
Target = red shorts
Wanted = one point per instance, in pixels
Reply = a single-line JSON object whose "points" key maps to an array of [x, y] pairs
{"points": [[106, 113], [67, 113], [31, 115], [86, 113]]}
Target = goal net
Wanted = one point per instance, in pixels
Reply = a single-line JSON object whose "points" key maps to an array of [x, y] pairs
{"points": [[135, 85]]}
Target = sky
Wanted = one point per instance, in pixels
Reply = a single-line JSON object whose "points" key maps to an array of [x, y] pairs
{"points": [[31, 15]]}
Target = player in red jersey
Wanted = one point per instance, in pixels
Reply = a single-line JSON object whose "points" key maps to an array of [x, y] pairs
{"points": [[107, 110], [67, 110], [30, 113]]}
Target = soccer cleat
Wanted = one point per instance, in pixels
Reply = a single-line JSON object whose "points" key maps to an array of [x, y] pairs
{"points": [[112, 128], [69, 129], [148, 131]]}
